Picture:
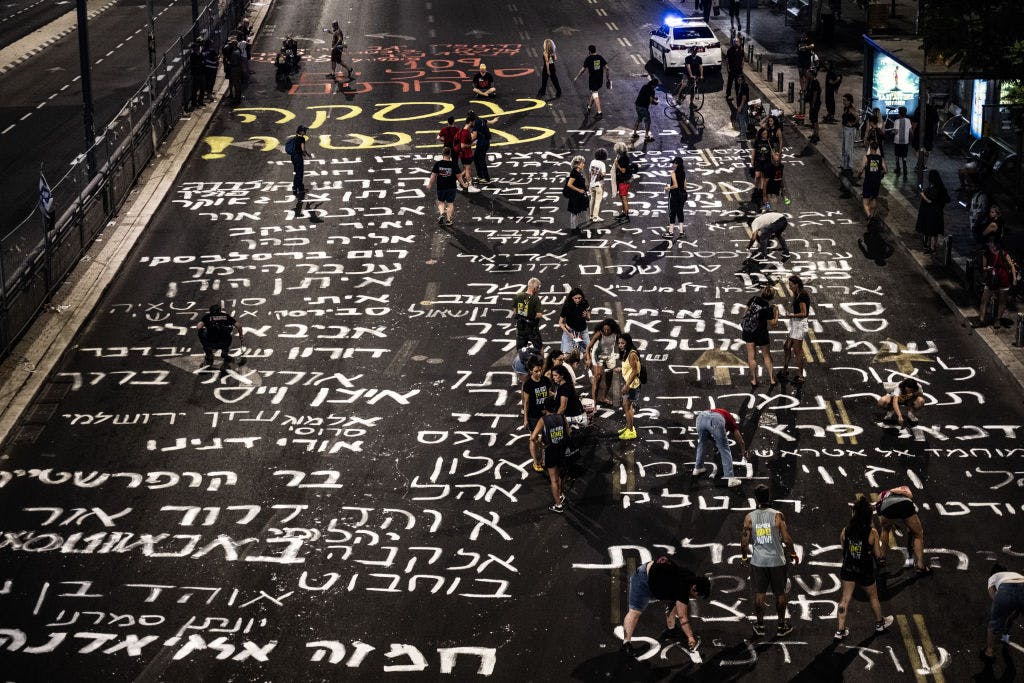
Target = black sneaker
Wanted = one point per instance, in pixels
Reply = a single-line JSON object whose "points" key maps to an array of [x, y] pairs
{"points": [[840, 636], [628, 650], [440, 218], [759, 630], [449, 221], [598, 116], [557, 508], [674, 633], [785, 628], [883, 625]]}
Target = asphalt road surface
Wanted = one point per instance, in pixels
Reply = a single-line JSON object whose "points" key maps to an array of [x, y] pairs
{"points": [[357, 501], [41, 114], [18, 18]]}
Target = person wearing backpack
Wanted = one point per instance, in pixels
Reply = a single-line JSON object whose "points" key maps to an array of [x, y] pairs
{"points": [[214, 330], [295, 147], [632, 379], [754, 332]]}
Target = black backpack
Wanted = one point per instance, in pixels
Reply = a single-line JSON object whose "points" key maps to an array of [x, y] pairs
{"points": [[752, 318], [566, 192]]}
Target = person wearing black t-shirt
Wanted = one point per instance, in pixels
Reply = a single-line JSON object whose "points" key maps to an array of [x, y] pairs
{"points": [[812, 96], [694, 75], [794, 347], [573, 320], [552, 431], [445, 174], [483, 82], [214, 330], [536, 391], [567, 402], [760, 313], [662, 579], [644, 99], [596, 67]]}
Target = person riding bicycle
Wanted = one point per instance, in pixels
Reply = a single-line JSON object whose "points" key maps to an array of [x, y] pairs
{"points": [[694, 74]]}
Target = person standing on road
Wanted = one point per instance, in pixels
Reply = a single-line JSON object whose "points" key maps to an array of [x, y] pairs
{"points": [[908, 397], [849, 122], [573, 319], [931, 215], [1007, 592], [999, 272], [575, 190], [598, 170], [761, 164], [833, 79], [677, 197], [233, 69], [794, 347], [483, 82], [930, 119], [872, 169], [295, 146], [537, 390], [773, 548], [552, 432], [444, 173], [548, 70], [644, 99], [901, 140], [597, 69], [215, 330], [734, 64], [197, 73], [896, 509], [464, 149], [481, 133], [661, 579], [705, 6], [623, 174], [734, 15], [527, 314], [629, 365], [712, 424], [861, 551], [603, 356], [567, 401], [759, 315], [804, 60], [812, 95], [742, 100], [338, 50]]}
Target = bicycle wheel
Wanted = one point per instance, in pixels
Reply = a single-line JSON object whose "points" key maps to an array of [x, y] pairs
{"points": [[672, 112], [697, 119], [698, 99]]}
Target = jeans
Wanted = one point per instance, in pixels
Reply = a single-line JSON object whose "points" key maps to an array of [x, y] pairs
{"points": [[569, 343], [544, 82], [764, 238], [849, 135], [741, 122], [480, 160], [712, 425], [297, 166], [639, 589], [1009, 600]]}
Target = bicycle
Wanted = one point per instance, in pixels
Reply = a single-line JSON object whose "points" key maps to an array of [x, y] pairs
{"points": [[692, 88]]}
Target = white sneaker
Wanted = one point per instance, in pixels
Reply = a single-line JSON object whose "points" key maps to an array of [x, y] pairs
{"points": [[596, 219], [734, 482], [472, 189], [697, 471]]}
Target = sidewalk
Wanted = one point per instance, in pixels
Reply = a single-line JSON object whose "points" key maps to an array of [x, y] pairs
{"points": [[775, 40]]}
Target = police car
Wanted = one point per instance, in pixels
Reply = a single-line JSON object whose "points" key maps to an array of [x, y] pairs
{"points": [[671, 43]]}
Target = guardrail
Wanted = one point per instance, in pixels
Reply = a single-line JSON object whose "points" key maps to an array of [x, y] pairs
{"points": [[34, 260]]}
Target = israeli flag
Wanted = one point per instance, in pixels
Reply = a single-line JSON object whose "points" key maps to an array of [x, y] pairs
{"points": [[45, 196]]}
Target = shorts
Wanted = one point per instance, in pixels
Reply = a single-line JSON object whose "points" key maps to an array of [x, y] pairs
{"points": [[900, 510], [608, 362], [639, 589], [446, 196], [764, 577], [554, 456], [870, 192], [901, 151], [623, 189], [864, 580], [632, 395], [773, 187], [758, 338], [797, 328], [643, 114]]}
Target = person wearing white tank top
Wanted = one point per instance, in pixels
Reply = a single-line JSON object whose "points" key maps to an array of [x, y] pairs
{"points": [[901, 139]]}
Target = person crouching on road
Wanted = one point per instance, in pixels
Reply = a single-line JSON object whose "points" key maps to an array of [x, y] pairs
{"points": [[902, 403], [214, 330]]}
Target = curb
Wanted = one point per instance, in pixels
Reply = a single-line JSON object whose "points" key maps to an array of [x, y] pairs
{"points": [[30, 363], [904, 214]]}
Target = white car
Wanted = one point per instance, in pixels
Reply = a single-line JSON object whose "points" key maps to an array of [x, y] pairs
{"points": [[671, 43]]}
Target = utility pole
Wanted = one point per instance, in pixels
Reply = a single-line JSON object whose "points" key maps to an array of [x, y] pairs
{"points": [[85, 65], [151, 38]]}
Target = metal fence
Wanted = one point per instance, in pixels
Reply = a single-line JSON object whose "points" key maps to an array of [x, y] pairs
{"points": [[35, 261]]}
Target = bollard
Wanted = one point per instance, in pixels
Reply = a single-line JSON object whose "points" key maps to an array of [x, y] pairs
{"points": [[770, 68], [780, 81], [947, 255], [759, 63], [1019, 336], [750, 53], [792, 93]]}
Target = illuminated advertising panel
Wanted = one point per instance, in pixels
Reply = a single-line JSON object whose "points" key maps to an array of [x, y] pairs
{"points": [[978, 106], [893, 84]]}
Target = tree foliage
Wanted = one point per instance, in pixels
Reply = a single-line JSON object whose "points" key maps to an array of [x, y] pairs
{"points": [[985, 37]]}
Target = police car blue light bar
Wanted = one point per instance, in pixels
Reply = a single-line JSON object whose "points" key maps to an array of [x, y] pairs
{"points": [[673, 20]]}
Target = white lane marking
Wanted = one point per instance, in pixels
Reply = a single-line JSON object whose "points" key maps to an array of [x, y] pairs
{"points": [[601, 12], [25, 116], [612, 26], [52, 96], [65, 86], [40, 105], [4, 131], [624, 42]]}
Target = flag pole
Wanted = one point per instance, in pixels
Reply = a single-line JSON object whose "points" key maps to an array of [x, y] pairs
{"points": [[45, 210]]}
